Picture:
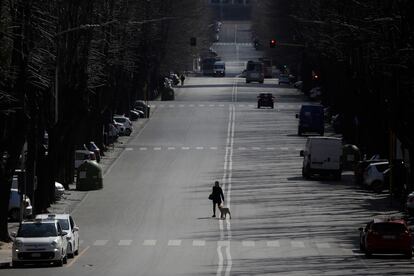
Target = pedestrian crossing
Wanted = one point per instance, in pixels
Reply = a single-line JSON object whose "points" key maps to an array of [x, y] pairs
{"points": [[295, 106], [233, 44], [281, 244], [211, 148]]}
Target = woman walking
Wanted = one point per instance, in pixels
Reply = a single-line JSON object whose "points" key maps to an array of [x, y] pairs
{"points": [[217, 196]]}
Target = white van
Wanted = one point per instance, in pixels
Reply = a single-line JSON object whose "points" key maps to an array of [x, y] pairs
{"points": [[322, 155], [219, 69]]}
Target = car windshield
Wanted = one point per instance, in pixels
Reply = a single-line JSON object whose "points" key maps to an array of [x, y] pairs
{"points": [[384, 227], [33, 230], [120, 120], [64, 223]]}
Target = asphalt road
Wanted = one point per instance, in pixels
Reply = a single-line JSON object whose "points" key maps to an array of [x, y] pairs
{"points": [[153, 216]]}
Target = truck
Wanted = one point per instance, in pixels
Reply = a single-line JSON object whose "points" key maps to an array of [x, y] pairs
{"points": [[219, 69], [311, 119], [322, 156], [254, 71]]}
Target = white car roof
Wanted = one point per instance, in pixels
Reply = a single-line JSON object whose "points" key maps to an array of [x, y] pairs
{"points": [[52, 216]]}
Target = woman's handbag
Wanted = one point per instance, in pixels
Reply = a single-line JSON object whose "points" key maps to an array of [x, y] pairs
{"points": [[210, 197]]}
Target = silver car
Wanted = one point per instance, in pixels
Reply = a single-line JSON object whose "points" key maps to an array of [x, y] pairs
{"points": [[39, 241]]}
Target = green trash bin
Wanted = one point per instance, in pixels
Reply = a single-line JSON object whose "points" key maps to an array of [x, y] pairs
{"points": [[89, 177], [350, 156]]}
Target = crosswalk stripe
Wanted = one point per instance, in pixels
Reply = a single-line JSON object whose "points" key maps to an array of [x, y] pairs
{"points": [[174, 242], [157, 148], [142, 148], [100, 242], [323, 245], [185, 148], [149, 242], [248, 243], [223, 243], [273, 243], [125, 242], [297, 244], [199, 243], [199, 148]]}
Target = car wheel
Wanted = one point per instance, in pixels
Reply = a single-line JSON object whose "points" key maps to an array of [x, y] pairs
{"points": [[272, 106], [59, 263], [16, 264], [65, 259], [247, 81], [128, 132], [306, 172], [409, 254], [261, 82], [368, 254], [70, 255], [377, 186], [14, 214], [338, 176], [361, 246]]}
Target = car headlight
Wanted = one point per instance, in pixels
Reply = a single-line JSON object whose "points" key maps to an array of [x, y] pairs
{"points": [[18, 244], [54, 243]]}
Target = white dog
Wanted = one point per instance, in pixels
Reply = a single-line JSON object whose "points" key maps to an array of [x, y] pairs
{"points": [[224, 211]]}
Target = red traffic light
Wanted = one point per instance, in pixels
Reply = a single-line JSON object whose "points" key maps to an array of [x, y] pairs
{"points": [[272, 43]]}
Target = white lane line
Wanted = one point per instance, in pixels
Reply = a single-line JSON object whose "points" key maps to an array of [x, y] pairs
{"points": [[212, 105], [185, 148], [174, 242], [129, 149], [251, 105], [273, 243], [213, 148], [199, 148], [171, 106], [171, 148], [125, 242], [242, 148], [270, 148], [181, 105], [149, 242], [157, 148], [248, 243], [201, 105], [256, 148], [323, 245], [162, 105], [191, 105], [143, 148], [221, 105], [297, 244], [284, 148], [100, 242], [220, 261], [199, 243], [229, 261], [298, 149]]}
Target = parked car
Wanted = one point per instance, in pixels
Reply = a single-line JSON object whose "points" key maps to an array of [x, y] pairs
{"points": [[311, 119], [322, 156], [315, 93], [373, 176], [284, 78], [83, 155], [133, 115], [112, 134], [385, 235], [14, 205], [141, 105], [362, 165], [69, 226], [298, 84], [39, 241], [127, 124], [93, 147], [174, 78], [167, 91], [409, 204], [59, 190], [265, 99]]}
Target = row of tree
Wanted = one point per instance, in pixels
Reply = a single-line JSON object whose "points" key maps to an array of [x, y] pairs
{"points": [[363, 52], [67, 65]]}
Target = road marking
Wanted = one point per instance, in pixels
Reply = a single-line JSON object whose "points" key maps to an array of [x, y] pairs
{"points": [[284, 148], [323, 245], [171, 106], [256, 148], [157, 148], [100, 242], [221, 105], [171, 148], [181, 105], [297, 244], [77, 257], [162, 105], [271, 148], [191, 105], [142, 148], [241, 148], [149, 242], [213, 148], [199, 148], [174, 242], [223, 243], [201, 105], [185, 148], [125, 242], [248, 243], [129, 149], [273, 243], [199, 243]]}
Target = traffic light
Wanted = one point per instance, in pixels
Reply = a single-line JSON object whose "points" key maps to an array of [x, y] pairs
{"points": [[272, 43], [193, 41]]}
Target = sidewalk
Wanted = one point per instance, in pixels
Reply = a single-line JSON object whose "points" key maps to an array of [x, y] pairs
{"points": [[72, 197]]}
